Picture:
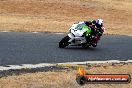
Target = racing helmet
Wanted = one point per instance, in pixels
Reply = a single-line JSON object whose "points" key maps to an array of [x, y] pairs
{"points": [[100, 22]]}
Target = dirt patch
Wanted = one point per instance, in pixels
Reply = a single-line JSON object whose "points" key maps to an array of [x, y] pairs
{"points": [[59, 15], [65, 78]]}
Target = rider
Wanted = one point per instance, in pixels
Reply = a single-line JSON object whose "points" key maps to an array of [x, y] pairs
{"points": [[99, 26], [97, 30]]}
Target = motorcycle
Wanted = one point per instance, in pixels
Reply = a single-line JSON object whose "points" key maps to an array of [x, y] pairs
{"points": [[76, 37]]}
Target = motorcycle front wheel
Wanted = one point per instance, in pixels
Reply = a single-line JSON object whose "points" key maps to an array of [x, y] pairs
{"points": [[64, 42]]}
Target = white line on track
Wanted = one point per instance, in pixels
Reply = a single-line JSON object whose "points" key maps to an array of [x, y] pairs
{"points": [[55, 33], [93, 62], [60, 33], [24, 66], [5, 31], [35, 32]]}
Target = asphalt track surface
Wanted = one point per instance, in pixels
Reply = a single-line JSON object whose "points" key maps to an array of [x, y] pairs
{"points": [[18, 48]]}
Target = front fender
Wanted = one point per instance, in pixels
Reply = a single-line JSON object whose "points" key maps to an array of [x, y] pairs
{"points": [[71, 37]]}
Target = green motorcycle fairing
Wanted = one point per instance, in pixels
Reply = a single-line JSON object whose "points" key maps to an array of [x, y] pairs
{"points": [[87, 29]]}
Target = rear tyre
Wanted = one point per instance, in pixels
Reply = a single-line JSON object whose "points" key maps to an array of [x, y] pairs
{"points": [[94, 45], [64, 42]]}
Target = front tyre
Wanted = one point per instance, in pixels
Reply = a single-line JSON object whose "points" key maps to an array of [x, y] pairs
{"points": [[64, 42]]}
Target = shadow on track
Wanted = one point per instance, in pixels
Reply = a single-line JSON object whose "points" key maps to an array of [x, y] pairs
{"points": [[81, 48]]}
